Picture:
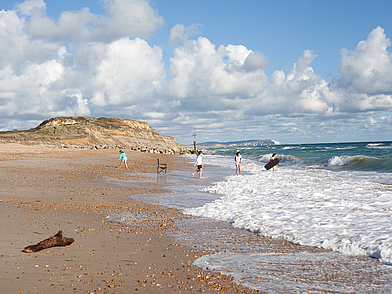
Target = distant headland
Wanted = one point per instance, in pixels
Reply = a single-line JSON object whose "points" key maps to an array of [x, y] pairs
{"points": [[241, 143]]}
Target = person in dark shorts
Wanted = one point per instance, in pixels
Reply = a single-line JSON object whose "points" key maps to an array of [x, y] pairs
{"points": [[199, 165]]}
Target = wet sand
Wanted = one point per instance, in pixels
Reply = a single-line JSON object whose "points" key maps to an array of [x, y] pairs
{"points": [[44, 190]]}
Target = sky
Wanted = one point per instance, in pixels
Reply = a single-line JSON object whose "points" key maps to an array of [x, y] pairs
{"points": [[296, 71]]}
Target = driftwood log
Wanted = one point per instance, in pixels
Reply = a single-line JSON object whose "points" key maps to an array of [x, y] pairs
{"points": [[56, 240]]}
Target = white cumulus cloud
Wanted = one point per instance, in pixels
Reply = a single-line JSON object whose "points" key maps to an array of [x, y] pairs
{"points": [[368, 68], [30, 7], [124, 18], [101, 65], [129, 72], [199, 69]]}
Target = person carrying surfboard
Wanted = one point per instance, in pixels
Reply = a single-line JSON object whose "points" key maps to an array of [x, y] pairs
{"points": [[273, 163]]}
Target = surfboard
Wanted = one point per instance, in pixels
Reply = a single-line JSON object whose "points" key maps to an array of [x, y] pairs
{"points": [[271, 164]]}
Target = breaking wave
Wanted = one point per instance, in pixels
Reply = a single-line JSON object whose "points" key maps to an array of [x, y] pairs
{"points": [[378, 146], [287, 159], [361, 162]]}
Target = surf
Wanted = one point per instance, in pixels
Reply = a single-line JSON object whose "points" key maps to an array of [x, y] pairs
{"points": [[361, 162]]}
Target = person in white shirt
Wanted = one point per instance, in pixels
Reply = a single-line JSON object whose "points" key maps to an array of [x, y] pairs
{"points": [[237, 161], [199, 165]]}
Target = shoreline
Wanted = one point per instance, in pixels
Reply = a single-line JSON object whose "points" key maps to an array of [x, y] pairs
{"points": [[44, 191], [274, 264], [47, 190]]}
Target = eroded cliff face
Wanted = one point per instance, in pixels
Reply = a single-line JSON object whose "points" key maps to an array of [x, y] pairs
{"points": [[94, 131]]}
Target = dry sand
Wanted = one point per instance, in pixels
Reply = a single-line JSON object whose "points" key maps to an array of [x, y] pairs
{"points": [[43, 190]]}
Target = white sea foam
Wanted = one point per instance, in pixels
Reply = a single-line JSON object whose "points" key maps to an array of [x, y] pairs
{"points": [[346, 148], [371, 145], [378, 146], [347, 212], [289, 147], [382, 147]]}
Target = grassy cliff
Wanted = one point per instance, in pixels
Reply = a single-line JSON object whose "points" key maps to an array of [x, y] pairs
{"points": [[100, 132]]}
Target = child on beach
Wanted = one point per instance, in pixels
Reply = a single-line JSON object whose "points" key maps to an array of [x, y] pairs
{"points": [[123, 159], [199, 165], [237, 161]]}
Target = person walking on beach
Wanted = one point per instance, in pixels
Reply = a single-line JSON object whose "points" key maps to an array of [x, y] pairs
{"points": [[123, 159], [237, 161], [199, 165]]}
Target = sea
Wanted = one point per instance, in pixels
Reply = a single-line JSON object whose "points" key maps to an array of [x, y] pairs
{"points": [[335, 196]]}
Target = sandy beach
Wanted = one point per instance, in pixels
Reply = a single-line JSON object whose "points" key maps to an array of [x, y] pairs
{"points": [[44, 190]]}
